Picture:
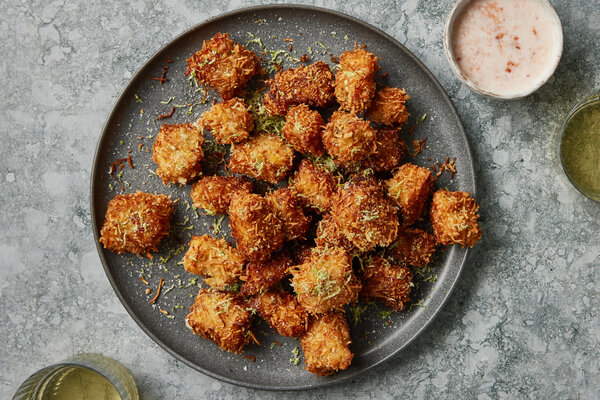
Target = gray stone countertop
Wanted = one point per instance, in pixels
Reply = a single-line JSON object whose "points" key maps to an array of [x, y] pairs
{"points": [[523, 321]]}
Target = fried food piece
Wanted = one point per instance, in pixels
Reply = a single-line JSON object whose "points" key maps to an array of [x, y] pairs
{"points": [[355, 80], [215, 259], [409, 189], [284, 202], [178, 152], [221, 317], [223, 65], [302, 253], [413, 247], [388, 107], [303, 128], [312, 85], [326, 344], [326, 281], [262, 275], [348, 138], [315, 186], [364, 215], [328, 234], [282, 312], [263, 156], [389, 151], [454, 218], [213, 193], [386, 282], [254, 226], [136, 222], [229, 122]]}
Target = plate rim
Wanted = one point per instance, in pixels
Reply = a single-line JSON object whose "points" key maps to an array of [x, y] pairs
{"points": [[96, 167]]}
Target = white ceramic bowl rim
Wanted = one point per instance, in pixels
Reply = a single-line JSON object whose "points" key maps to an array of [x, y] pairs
{"points": [[458, 6]]}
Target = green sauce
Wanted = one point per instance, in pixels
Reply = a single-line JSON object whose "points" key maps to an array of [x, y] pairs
{"points": [[580, 149]]}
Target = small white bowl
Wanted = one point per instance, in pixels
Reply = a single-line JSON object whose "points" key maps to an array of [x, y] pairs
{"points": [[458, 6]]}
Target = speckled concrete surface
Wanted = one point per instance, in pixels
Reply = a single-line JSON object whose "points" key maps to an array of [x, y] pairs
{"points": [[522, 323]]}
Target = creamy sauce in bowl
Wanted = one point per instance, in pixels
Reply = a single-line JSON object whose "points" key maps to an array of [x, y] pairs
{"points": [[506, 48]]}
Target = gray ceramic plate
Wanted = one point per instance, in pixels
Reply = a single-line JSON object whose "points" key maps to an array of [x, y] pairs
{"points": [[376, 337]]}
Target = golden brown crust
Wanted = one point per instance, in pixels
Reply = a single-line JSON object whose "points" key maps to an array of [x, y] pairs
{"points": [[282, 312], [284, 202], [348, 138], [409, 189], [312, 85], [215, 259], [213, 193], [389, 151], [413, 247], [136, 222], [328, 234], [263, 156], [454, 218], [178, 153], [262, 275], [254, 226], [386, 282], [223, 65], [326, 281], [326, 344], [229, 122], [355, 80], [303, 128], [364, 215], [388, 107], [314, 185], [221, 317]]}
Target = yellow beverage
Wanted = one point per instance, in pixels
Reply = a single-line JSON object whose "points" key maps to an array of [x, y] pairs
{"points": [[580, 148], [79, 383]]}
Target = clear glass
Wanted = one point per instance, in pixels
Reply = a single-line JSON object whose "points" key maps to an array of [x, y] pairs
{"points": [[85, 376], [585, 105]]}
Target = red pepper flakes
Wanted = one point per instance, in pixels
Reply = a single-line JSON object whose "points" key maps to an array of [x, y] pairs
{"points": [[167, 115]]}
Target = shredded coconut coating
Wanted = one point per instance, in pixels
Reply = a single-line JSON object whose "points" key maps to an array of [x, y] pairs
{"points": [[326, 344], [229, 122], [282, 312], [262, 275], [312, 85], [221, 317], [326, 281], [454, 218], [262, 156], [284, 202], [213, 193], [223, 65], [178, 153], [386, 282], [328, 234], [348, 138], [255, 227], [314, 185], [136, 223], [214, 259], [302, 130], [413, 246], [409, 189], [355, 80], [365, 216], [388, 107]]}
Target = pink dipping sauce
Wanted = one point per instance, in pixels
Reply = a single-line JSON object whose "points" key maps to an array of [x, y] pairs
{"points": [[506, 47]]}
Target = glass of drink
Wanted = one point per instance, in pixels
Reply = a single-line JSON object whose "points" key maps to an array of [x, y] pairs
{"points": [[84, 376]]}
